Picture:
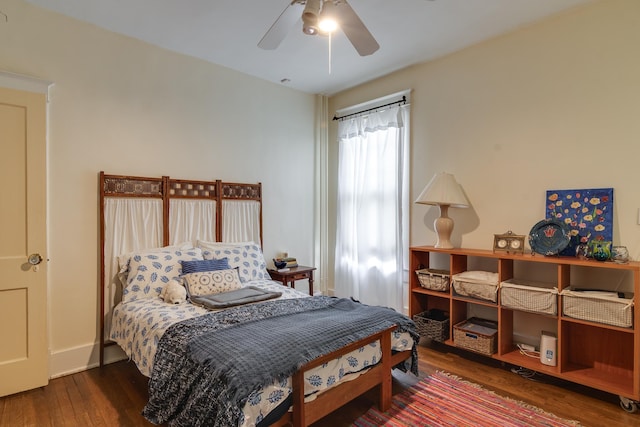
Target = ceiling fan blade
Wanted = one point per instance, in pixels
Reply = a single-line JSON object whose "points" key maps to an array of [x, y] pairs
{"points": [[355, 30], [279, 30]]}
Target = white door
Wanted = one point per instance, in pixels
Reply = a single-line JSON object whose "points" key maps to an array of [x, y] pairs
{"points": [[23, 286]]}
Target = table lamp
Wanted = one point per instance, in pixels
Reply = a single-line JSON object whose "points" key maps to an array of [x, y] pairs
{"points": [[443, 190]]}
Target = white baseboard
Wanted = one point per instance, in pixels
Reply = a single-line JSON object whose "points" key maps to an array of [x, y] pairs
{"points": [[81, 358]]}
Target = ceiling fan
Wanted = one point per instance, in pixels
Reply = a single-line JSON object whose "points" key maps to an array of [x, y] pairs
{"points": [[313, 13]]}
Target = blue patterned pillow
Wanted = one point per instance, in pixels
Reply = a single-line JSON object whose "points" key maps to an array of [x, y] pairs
{"points": [[150, 271], [205, 265], [247, 257]]}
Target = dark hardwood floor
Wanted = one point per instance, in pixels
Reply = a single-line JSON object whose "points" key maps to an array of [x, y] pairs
{"points": [[115, 394]]}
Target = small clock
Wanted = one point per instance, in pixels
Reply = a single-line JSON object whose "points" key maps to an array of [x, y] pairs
{"points": [[508, 242]]}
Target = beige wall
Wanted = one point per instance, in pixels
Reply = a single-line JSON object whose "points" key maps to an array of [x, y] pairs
{"points": [[552, 106], [125, 107]]}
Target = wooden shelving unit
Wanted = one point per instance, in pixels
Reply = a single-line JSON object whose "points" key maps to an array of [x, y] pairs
{"points": [[594, 354]]}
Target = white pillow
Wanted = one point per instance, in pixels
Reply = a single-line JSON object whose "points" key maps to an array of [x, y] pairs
{"points": [[204, 245], [246, 256], [123, 259], [212, 282], [150, 271]]}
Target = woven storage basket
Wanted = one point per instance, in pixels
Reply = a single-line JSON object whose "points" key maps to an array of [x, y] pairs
{"points": [[436, 280], [476, 284], [433, 324], [598, 306], [523, 295], [477, 335]]}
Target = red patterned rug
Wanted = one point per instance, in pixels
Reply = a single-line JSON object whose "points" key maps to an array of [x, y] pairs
{"points": [[445, 400]]}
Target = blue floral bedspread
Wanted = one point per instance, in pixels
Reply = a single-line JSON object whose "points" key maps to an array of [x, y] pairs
{"points": [[185, 387]]}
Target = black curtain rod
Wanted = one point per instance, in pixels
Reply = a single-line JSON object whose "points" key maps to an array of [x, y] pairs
{"points": [[402, 101]]}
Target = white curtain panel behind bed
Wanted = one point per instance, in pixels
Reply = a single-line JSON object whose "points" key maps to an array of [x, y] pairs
{"points": [[241, 221], [130, 224], [192, 219]]}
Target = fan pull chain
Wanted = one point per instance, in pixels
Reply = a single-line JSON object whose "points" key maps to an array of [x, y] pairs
{"points": [[329, 53]]}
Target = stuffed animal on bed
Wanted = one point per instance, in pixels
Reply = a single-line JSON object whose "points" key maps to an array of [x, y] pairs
{"points": [[174, 293]]}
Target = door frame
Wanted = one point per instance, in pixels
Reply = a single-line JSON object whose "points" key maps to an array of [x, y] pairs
{"points": [[26, 83]]}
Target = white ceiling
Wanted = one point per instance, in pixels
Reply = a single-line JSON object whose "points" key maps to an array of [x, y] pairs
{"points": [[226, 32]]}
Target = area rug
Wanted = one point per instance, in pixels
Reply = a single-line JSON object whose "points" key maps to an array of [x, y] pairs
{"points": [[445, 400]]}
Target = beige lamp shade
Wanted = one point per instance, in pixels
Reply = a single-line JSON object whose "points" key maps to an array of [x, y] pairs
{"points": [[443, 190]]}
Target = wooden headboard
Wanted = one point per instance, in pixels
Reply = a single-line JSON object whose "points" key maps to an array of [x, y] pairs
{"points": [[163, 189]]}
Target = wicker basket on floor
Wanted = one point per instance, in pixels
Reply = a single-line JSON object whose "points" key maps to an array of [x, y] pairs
{"points": [[433, 324]]}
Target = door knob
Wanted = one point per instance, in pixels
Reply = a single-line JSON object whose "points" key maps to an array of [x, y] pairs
{"points": [[35, 259]]}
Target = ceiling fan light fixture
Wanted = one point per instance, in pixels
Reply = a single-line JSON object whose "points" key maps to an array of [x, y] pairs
{"points": [[309, 25], [328, 19], [310, 17], [327, 25]]}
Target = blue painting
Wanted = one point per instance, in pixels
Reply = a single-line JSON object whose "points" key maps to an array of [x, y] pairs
{"points": [[588, 214]]}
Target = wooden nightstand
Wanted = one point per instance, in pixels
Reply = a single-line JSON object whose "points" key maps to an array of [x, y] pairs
{"points": [[296, 273]]}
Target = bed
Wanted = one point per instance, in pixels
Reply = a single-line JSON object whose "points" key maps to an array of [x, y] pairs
{"points": [[213, 366]]}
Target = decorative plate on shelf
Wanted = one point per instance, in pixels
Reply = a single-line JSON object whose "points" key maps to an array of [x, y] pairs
{"points": [[549, 237]]}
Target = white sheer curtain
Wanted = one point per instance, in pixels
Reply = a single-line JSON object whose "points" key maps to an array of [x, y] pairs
{"points": [[241, 221], [130, 224], [192, 219], [373, 207], [133, 224]]}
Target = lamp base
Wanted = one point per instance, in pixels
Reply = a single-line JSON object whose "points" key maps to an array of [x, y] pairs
{"points": [[443, 226]]}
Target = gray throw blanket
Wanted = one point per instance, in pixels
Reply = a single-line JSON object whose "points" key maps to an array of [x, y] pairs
{"points": [[244, 295], [206, 367]]}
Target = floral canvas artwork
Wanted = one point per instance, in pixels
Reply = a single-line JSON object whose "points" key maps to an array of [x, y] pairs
{"points": [[588, 214]]}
